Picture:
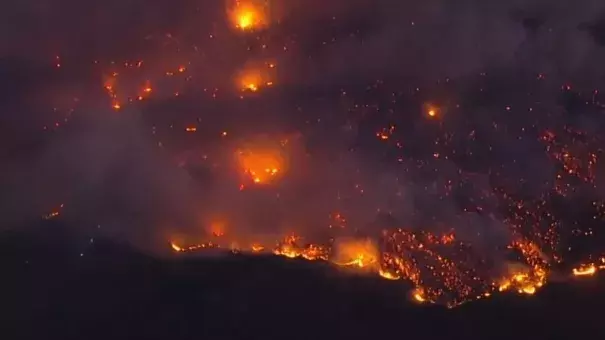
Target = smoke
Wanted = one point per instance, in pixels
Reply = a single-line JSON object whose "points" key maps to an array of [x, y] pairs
{"points": [[105, 171], [107, 168], [437, 39]]}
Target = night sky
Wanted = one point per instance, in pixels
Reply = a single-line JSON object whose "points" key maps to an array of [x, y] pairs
{"points": [[463, 138]]}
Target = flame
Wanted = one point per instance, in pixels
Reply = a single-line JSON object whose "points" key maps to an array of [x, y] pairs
{"points": [[262, 165], [290, 248], [253, 78], [418, 295], [257, 248], [585, 270], [55, 213], [364, 254], [356, 253], [175, 247], [217, 228], [388, 275], [431, 110], [247, 15], [524, 282]]}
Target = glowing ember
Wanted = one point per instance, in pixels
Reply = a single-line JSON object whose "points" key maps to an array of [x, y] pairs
{"points": [[53, 214]]}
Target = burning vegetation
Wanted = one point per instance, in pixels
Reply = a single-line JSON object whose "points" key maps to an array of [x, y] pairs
{"points": [[420, 259], [439, 258], [248, 15], [261, 161], [254, 77]]}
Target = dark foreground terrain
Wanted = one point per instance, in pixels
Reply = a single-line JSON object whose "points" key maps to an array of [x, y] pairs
{"points": [[53, 289]]}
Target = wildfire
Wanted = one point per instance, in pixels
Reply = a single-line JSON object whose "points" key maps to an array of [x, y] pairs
{"points": [[442, 268], [257, 248], [53, 214], [262, 165], [418, 295], [355, 253], [524, 283], [175, 247], [388, 275], [253, 78], [290, 248], [364, 254], [432, 111], [246, 15], [589, 269], [584, 271]]}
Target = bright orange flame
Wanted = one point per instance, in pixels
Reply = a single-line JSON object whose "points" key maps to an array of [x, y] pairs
{"points": [[261, 166], [358, 253], [252, 79], [388, 275], [418, 295], [530, 290], [431, 111], [257, 248], [585, 271], [524, 282], [248, 15], [175, 247]]}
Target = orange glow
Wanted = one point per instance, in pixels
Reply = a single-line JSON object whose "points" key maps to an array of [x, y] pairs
{"points": [[585, 271], [418, 295], [388, 275], [175, 247], [261, 165], [432, 111], [217, 228], [364, 253], [525, 282], [357, 253], [247, 15], [257, 248], [252, 79]]}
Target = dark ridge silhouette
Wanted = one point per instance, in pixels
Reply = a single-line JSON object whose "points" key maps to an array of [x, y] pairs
{"points": [[52, 287]]}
